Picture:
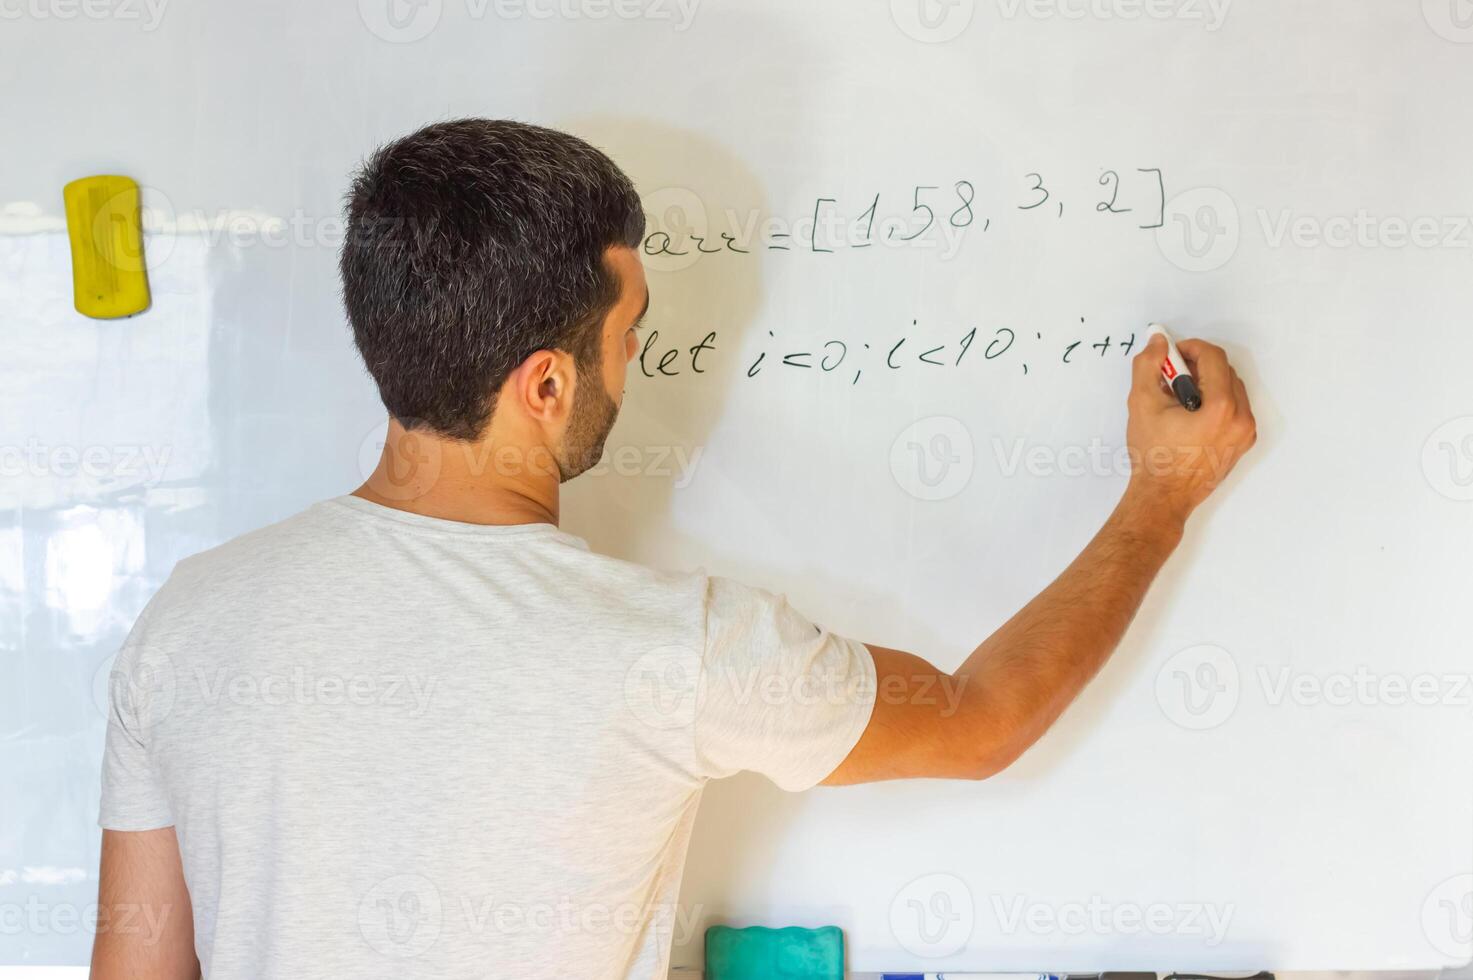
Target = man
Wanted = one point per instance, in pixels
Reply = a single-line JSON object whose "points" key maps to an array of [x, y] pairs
{"points": [[419, 731]]}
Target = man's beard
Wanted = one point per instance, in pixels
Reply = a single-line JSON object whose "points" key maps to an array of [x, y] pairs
{"points": [[593, 416]]}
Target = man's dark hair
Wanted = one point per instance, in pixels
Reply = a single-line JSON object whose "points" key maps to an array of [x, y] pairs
{"points": [[470, 245]]}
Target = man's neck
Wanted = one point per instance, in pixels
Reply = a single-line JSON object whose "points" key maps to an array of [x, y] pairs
{"points": [[468, 482]]}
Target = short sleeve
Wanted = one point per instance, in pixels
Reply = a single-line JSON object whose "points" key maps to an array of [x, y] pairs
{"points": [[778, 695], [140, 693]]}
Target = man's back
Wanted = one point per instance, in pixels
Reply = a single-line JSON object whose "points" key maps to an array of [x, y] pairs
{"points": [[397, 745]]}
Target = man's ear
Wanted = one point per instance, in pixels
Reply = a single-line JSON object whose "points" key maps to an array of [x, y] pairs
{"points": [[544, 383]]}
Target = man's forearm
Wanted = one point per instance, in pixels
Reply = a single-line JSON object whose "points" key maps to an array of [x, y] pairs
{"points": [[1022, 678]]}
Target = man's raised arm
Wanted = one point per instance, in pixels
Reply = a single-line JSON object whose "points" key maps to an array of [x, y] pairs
{"points": [[1014, 686]]}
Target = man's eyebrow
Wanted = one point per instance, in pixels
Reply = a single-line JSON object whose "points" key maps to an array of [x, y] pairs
{"points": [[639, 319]]}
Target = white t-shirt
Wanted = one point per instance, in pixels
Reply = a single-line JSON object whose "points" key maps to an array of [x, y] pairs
{"points": [[396, 746]]}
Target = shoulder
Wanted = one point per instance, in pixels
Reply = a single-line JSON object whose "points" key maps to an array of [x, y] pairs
{"points": [[733, 606], [636, 589], [211, 582], [277, 543]]}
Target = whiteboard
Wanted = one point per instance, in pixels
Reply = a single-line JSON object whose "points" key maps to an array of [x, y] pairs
{"points": [[1273, 769]]}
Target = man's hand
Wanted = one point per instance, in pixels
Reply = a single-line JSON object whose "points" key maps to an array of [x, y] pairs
{"points": [[1013, 686], [1179, 457]]}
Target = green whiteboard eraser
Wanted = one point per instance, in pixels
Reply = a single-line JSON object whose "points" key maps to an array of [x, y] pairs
{"points": [[760, 953]]}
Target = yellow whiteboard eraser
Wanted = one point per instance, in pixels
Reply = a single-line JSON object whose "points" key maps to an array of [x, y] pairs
{"points": [[105, 225]]}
